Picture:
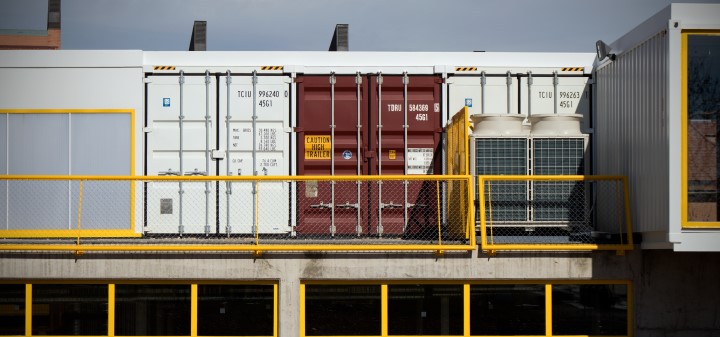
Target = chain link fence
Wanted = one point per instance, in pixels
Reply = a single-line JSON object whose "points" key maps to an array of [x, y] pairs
{"points": [[242, 213], [554, 212]]}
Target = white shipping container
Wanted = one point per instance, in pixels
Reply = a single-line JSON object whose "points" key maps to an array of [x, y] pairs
{"points": [[261, 149], [270, 152], [494, 97], [175, 108]]}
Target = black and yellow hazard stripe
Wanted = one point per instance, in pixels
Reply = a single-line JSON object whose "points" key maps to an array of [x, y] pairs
{"points": [[465, 68], [271, 68], [573, 69], [164, 68]]}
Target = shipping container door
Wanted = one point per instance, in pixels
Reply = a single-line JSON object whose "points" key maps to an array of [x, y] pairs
{"points": [[268, 154], [179, 105], [493, 94], [406, 116], [325, 207]]}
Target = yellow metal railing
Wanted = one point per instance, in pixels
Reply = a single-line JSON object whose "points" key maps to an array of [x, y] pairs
{"points": [[256, 213], [554, 213]]}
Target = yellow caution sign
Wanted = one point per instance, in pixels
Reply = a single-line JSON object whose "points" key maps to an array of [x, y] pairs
{"points": [[392, 154], [317, 147]]}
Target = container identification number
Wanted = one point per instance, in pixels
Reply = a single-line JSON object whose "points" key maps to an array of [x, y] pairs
{"points": [[411, 107], [268, 93]]}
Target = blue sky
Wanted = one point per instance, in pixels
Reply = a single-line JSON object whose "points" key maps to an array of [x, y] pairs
{"points": [[375, 25]]}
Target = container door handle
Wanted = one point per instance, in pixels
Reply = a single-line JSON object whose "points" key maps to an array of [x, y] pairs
{"points": [[347, 205], [322, 205], [389, 205], [169, 172]]}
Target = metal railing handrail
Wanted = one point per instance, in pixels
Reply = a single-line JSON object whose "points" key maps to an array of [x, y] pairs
{"points": [[492, 247]]}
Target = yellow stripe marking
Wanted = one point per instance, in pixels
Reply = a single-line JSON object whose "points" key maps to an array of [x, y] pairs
{"points": [[573, 69], [465, 68], [271, 68], [164, 68]]}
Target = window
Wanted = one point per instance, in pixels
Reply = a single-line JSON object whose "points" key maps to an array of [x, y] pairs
{"points": [[425, 309], [589, 309], [69, 309], [701, 114], [152, 310], [345, 310], [12, 309], [466, 308], [235, 310], [507, 309]]}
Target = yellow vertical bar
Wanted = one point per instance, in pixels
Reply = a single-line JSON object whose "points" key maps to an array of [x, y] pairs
{"points": [[275, 310], [111, 309], [470, 209], [437, 189], [132, 169], [302, 309], [683, 130], [257, 213], [465, 139], [466, 310], [28, 310], [548, 310], [193, 309], [481, 205], [79, 211], [630, 309], [384, 310]]}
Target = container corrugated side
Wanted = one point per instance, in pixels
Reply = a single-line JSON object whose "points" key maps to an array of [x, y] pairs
{"points": [[631, 135]]}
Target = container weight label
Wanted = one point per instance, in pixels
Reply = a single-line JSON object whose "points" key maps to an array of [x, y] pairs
{"points": [[420, 161]]}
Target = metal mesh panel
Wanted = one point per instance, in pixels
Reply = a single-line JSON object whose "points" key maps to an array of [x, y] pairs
{"points": [[592, 213], [241, 212], [503, 156], [554, 201]]}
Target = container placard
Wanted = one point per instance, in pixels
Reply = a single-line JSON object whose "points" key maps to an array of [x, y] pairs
{"points": [[420, 161], [317, 147]]}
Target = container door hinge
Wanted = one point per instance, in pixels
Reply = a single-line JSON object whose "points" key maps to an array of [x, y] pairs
{"points": [[288, 130], [218, 154], [439, 80], [147, 129], [147, 80]]}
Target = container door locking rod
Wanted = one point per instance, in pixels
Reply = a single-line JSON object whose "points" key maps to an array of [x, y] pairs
{"points": [[228, 184], [207, 151], [180, 190], [332, 152], [380, 125], [254, 152], [406, 80], [358, 82]]}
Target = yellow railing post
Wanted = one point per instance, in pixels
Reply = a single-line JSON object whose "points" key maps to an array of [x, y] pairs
{"points": [[79, 216], [437, 189]]}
